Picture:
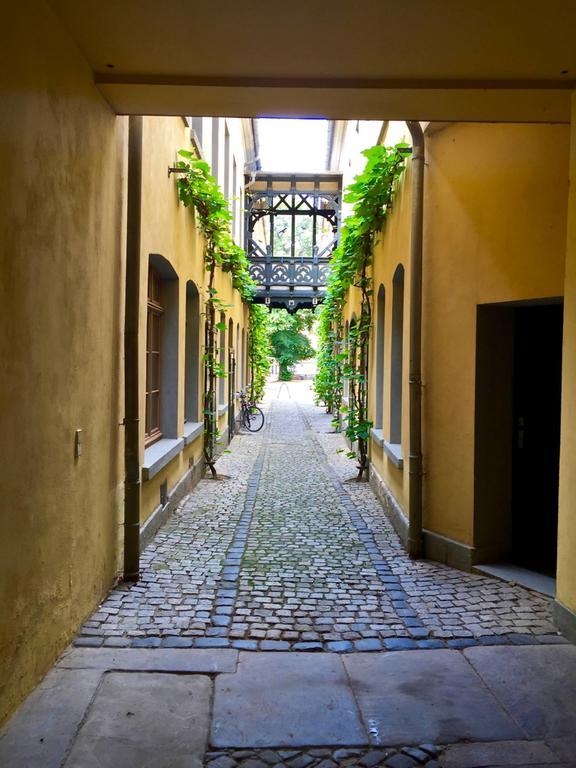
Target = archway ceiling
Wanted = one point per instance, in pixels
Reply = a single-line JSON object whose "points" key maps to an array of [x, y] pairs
{"points": [[446, 60]]}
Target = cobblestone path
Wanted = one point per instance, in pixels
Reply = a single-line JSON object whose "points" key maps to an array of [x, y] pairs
{"points": [[286, 555], [347, 757]]}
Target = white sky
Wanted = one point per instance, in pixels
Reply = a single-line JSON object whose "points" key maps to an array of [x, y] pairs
{"points": [[293, 145]]}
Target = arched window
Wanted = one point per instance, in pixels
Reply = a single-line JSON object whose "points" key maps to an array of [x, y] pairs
{"points": [[192, 353], [397, 356], [222, 359], [380, 328], [161, 417]]}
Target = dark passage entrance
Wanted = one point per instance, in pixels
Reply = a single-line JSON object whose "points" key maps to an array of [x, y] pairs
{"points": [[518, 389], [536, 439]]}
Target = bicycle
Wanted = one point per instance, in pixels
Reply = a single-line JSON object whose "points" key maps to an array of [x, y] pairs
{"points": [[252, 417]]}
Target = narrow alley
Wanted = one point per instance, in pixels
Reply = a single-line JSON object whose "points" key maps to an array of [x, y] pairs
{"points": [[285, 554], [288, 385]]}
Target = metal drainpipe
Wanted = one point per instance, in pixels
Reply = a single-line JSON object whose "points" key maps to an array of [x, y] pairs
{"points": [[131, 356], [415, 539]]}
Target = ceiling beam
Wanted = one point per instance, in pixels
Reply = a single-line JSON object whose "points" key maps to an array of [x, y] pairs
{"points": [[544, 102]]}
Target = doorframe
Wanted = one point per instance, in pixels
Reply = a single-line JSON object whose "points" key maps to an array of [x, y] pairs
{"points": [[493, 428]]}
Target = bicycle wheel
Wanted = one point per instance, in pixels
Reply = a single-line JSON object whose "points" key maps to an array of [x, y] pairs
{"points": [[253, 418]]}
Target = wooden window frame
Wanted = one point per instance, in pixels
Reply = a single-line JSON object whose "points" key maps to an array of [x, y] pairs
{"points": [[154, 310]]}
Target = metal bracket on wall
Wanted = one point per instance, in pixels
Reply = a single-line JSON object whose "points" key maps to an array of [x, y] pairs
{"points": [[172, 169]]}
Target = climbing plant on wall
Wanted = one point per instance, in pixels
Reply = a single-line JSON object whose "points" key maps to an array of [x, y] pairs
{"points": [[197, 188], [371, 194], [258, 351], [328, 381]]}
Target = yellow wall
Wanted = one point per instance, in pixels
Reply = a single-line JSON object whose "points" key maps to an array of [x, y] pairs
{"points": [[392, 249], [566, 593], [61, 277], [494, 231], [495, 212], [63, 228]]}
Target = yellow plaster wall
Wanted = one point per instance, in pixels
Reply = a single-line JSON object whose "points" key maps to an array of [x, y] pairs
{"points": [[495, 212], [392, 249], [169, 229], [566, 592], [61, 298], [494, 231]]}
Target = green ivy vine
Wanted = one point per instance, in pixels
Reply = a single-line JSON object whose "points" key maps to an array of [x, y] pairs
{"points": [[197, 188], [258, 351], [371, 193]]}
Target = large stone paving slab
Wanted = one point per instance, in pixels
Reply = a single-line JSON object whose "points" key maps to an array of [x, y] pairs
{"points": [[564, 747], [536, 685], [513, 753], [42, 731], [145, 720], [151, 660], [419, 696], [284, 699]]}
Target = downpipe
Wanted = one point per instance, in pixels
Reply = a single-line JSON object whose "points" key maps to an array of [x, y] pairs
{"points": [[132, 483], [415, 538]]}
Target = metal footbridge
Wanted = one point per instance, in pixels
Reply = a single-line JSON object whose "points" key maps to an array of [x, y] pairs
{"points": [[292, 229]]}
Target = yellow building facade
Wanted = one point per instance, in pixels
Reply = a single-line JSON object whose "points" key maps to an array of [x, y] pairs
{"points": [[172, 249], [494, 282]]}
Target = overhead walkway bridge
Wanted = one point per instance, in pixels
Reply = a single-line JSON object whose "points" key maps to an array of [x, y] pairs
{"points": [[292, 230]]}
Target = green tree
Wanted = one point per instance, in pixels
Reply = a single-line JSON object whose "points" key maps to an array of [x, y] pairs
{"points": [[289, 348], [282, 320], [289, 344]]}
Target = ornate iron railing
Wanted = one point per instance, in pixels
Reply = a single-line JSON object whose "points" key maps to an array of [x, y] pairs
{"points": [[285, 275]]}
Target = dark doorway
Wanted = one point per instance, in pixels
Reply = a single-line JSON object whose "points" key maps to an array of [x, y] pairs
{"points": [[517, 433], [536, 437]]}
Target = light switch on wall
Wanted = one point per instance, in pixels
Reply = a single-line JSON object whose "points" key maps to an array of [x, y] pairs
{"points": [[78, 443]]}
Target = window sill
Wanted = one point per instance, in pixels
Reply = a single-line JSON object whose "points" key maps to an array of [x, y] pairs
{"points": [[222, 409], [377, 436], [158, 455], [394, 453], [192, 430]]}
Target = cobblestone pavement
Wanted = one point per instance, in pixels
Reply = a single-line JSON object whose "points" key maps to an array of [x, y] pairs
{"points": [[286, 555], [341, 757]]}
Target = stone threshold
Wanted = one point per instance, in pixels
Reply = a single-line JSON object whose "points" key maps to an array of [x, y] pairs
{"points": [[537, 582]]}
